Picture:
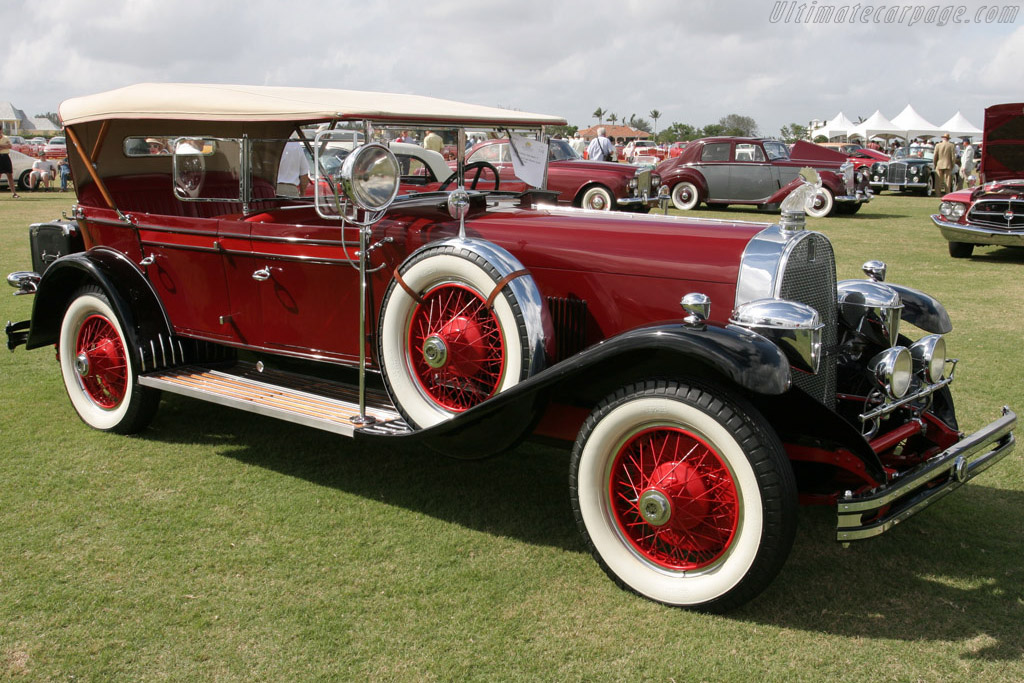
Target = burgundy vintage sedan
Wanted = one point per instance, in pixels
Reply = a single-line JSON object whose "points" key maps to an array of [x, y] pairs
{"points": [[706, 375], [599, 185], [754, 171], [992, 214]]}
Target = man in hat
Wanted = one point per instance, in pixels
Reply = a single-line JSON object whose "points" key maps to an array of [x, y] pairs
{"points": [[945, 160]]}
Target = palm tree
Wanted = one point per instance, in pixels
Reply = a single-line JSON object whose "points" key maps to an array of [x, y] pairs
{"points": [[655, 114], [599, 115], [613, 118]]}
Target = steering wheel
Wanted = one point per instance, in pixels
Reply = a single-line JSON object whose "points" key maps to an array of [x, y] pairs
{"points": [[477, 166]]}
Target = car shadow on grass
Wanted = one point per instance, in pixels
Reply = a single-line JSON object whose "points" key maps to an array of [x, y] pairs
{"points": [[952, 573], [984, 254]]}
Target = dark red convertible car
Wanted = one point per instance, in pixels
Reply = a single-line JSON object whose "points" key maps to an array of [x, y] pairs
{"points": [[706, 375], [597, 185], [992, 214], [729, 170]]}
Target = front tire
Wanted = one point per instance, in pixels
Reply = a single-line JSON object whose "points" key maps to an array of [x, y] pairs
{"points": [[684, 495], [685, 196], [99, 370], [822, 205], [598, 198], [961, 249]]}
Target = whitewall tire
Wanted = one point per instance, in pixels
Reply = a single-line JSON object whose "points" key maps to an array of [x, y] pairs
{"points": [[98, 368], [683, 495], [685, 196], [446, 351], [822, 204], [597, 198]]}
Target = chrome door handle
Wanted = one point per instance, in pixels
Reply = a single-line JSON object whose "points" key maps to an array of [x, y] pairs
{"points": [[148, 261], [261, 275]]}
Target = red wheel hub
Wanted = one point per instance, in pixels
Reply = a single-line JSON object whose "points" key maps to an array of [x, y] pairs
{"points": [[455, 346], [100, 362], [673, 498]]}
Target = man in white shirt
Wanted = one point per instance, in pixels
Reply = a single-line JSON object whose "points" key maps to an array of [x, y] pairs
{"points": [[601, 148], [293, 173], [43, 171]]}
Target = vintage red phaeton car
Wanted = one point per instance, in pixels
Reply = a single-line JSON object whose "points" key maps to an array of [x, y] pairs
{"points": [[730, 170], [708, 375], [992, 214]]}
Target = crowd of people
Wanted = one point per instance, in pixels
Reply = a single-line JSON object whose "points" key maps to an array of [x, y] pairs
{"points": [[42, 174]]}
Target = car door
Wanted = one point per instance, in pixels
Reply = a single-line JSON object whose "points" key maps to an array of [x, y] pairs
{"points": [[303, 277], [715, 161], [750, 175]]}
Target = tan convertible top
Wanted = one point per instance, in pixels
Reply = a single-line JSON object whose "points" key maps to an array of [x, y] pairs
{"points": [[209, 102]]}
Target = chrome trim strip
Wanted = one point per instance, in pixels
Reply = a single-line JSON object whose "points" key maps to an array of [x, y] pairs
{"points": [[956, 232], [997, 437], [896, 405]]}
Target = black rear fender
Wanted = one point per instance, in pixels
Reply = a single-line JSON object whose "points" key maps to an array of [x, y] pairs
{"points": [[128, 290]]}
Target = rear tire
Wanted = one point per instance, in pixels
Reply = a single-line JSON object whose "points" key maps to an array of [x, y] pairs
{"points": [[684, 495], [98, 367], [961, 249], [23, 180]]}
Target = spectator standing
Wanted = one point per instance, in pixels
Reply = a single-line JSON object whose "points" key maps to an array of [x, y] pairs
{"points": [[433, 141], [967, 164], [293, 172], [64, 169], [578, 144], [601, 148], [6, 168], [945, 160]]}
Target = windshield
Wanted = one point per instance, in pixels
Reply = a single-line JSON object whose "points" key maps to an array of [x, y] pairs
{"points": [[776, 150], [914, 152], [560, 150]]}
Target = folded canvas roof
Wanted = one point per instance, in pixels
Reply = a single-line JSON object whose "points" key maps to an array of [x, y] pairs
{"points": [[212, 102]]}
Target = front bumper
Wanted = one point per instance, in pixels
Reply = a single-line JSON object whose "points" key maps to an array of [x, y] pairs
{"points": [[918, 488], [974, 234], [860, 197]]}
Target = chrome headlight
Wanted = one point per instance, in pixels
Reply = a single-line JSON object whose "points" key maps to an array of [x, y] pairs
{"points": [[370, 177], [655, 180], [794, 327], [871, 308], [893, 370], [952, 210], [929, 354], [632, 183]]}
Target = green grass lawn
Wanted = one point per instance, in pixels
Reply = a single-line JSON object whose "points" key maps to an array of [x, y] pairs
{"points": [[220, 545]]}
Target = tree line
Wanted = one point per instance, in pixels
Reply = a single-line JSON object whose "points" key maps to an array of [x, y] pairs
{"points": [[733, 124]]}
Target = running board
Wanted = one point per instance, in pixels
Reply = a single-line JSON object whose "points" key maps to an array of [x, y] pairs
{"points": [[304, 400]]}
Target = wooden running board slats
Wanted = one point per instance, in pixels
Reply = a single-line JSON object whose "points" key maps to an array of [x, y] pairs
{"points": [[309, 401]]}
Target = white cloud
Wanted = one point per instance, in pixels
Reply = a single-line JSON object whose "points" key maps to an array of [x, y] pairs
{"points": [[695, 61]]}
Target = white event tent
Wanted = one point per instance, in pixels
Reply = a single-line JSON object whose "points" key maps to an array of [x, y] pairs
{"points": [[959, 127], [834, 127], [877, 126], [914, 125]]}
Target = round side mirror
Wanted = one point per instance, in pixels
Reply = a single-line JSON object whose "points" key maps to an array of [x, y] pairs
{"points": [[369, 177]]}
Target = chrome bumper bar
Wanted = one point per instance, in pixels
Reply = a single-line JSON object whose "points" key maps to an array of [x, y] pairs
{"points": [[975, 234], [918, 488]]}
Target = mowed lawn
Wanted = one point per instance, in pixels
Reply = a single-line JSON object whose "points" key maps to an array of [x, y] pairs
{"points": [[224, 546]]}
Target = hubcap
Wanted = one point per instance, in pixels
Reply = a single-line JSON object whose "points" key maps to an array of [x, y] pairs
{"points": [[435, 352], [462, 353], [101, 362], [673, 499]]}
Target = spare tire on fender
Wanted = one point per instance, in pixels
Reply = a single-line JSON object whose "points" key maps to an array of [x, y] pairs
{"points": [[461, 321]]}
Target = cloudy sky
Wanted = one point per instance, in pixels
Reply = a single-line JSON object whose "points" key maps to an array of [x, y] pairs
{"points": [[694, 60]]}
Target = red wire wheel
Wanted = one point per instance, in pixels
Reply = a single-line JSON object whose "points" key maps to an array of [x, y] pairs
{"points": [[101, 362], [456, 349], [673, 498]]}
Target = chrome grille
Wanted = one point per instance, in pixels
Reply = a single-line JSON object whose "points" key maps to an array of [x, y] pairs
{"points": [[1003, 214], [897, 173], [809, 277]]}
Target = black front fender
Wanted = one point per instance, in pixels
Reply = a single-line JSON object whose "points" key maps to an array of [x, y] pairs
{"points": [[130, 294], [729, 355]]}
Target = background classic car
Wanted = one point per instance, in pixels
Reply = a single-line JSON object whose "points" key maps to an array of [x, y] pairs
{"points": [[760, 172], [992, 214], [22, 165], [596, 185], [467, 321], [909, 168]]}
